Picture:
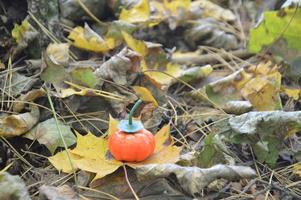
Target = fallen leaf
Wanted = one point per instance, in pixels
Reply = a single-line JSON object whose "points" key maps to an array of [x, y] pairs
{"points": [[264, 131], [58, 53], [168, 154], [113, 125], [12, 187], [136, 45], [18, 84], [138, 13], [15, 125], [237, 107], [117, 68], [89, 155], [63, 192], [195, 73], [24, 34], [145, 95], [50, 133], [85, 38], [92, 154], [162, 137], [84, 76], [84, 91], [173, 70], [19, 30], [193, 179], [259, 84], [28, 97], [210, 32], [174, 5], [56, 59], [62, 162], [214, 152], [292, 92], [271, 29], [211, 9]]}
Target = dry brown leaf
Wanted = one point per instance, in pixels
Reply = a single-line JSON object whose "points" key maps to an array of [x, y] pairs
{"points": [[117, 68], [15, 125]]}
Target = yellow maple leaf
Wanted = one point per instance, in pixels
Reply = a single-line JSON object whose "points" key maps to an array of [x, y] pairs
{"points": [[113, 125], [89, 155], [87, 39], [169, 154], [145, 95], [62, 163], [89, 143], [136, 45], [162, 137], [263, 91], [138, 13], [100, 167], [92, 154]]}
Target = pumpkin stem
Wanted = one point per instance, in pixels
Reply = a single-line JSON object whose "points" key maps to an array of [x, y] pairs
{"points": [[136, 105]]}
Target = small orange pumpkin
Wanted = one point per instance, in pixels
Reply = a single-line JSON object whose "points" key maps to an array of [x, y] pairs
{"points": [[132, 147], [132, 142]]}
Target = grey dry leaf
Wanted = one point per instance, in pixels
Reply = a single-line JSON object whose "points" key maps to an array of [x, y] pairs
{"points": [[18, 84], [12, 187], [118, 67], [63, 192], [15, 125], [265, 123], [194, 179], [209, 31], [264, 131], [47, 133]]}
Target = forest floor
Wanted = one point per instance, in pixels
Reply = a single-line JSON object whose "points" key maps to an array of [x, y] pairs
{"points": [[219, 83]]}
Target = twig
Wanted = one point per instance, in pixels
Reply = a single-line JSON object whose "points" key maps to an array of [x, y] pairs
{"points": [[128, 182], [211, 58], [281, 188]]}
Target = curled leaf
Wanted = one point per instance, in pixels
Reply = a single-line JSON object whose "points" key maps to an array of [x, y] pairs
{"points": [[194, 179], [117, 68], [15, 125]]}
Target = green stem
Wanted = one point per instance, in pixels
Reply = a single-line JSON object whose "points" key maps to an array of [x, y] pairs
{"points": [[136, 105]]}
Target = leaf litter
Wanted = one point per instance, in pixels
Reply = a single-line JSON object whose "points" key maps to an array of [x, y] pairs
{"points": [[220, 93]]}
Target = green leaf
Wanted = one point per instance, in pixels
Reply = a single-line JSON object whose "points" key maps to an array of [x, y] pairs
{"points": [[284, 24], [265, 132], [267, 151], [84, 77], [213, 152], [48, 134]]}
